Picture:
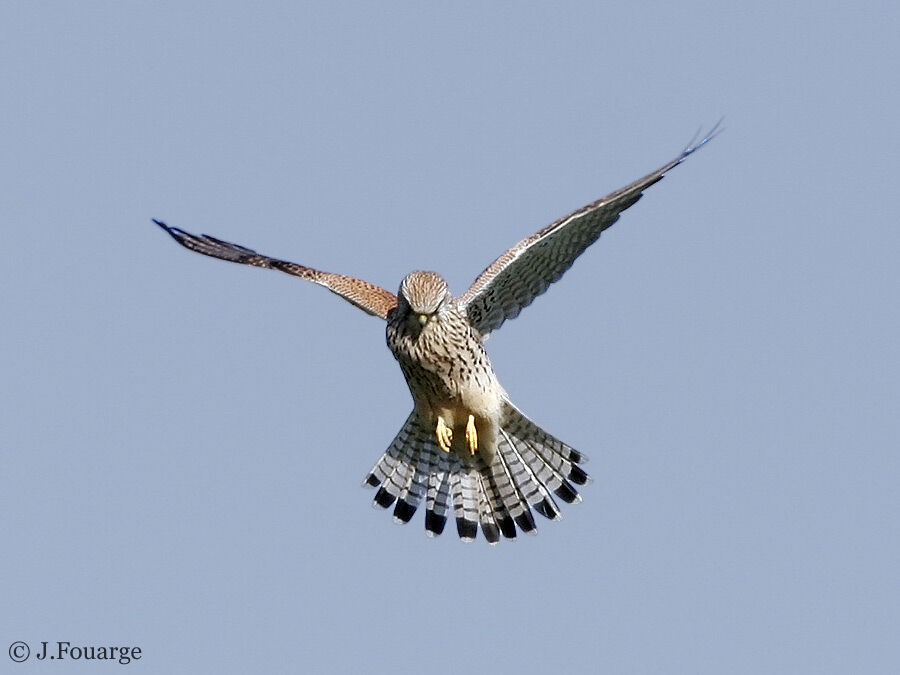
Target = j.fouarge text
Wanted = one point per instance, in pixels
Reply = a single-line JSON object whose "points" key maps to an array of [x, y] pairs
{"points": [[65, 651]]}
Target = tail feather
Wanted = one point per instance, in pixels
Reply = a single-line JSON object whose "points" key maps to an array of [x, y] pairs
{"points": [[393, 485], [543, 473], [469, 479], [401, 458], [547, 455], [417, 474], [534, 492], [500, 513], [411, 494], [486, 511], [521, 426], [511, 496], [438, 501], [404, 478], [464, 500], [546, 473], [386, 464], [384, 467], [527, 469]]}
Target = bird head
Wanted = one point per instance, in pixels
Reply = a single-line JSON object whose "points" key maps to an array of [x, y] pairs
{"points": [[426, 293]]}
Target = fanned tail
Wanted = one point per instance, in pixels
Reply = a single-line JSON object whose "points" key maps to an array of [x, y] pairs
{"points": [[527, 469], [549, 461]]}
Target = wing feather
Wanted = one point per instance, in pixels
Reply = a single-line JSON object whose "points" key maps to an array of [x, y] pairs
{"points": [[522, 273], [368, 297]]}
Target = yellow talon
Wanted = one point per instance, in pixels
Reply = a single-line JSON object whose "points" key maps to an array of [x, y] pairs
{"points": [[471, 435], [444, 434]]}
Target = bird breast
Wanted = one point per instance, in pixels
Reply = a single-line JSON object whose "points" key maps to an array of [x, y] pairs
{"points": [[444, 361]]}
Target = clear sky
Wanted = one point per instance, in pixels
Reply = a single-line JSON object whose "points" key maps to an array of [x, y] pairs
{"points": [[182, 440]]}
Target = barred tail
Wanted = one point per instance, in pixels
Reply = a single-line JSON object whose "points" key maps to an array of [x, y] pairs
{"points": [[414, 467], [546, 463], [528, 468]]}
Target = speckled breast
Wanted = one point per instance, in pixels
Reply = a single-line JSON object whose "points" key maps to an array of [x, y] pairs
{"points": [[441, 361]]}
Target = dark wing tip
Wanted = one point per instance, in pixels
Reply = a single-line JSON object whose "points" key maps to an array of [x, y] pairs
{"points": [[695, 145], [688, 150], [176, 234], [166, 228], [213, 247], [228, 244]]}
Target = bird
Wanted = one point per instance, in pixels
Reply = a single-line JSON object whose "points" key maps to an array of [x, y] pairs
{"points": [[465, 449]]}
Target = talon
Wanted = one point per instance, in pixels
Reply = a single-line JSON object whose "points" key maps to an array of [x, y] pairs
{"points": [[471, 435], [444, 434]]}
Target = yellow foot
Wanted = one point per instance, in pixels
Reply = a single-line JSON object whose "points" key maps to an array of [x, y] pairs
{"points": [[471, 435], [444, 434]]}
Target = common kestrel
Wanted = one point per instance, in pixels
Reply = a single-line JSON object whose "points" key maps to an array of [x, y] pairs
{"points": [[465, 441]]}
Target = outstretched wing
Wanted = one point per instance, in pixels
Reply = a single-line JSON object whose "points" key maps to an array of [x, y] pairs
{"points": [[525, 271], [366, 296]]}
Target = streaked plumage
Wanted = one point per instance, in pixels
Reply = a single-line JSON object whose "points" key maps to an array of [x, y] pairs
{"points": [[465, 447]]}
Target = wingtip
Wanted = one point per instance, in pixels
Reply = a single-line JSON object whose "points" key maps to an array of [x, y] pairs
{"points": [[695, 145], [171, 231]]}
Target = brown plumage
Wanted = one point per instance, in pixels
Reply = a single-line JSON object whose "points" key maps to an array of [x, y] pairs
{"points": [[465, 446]]}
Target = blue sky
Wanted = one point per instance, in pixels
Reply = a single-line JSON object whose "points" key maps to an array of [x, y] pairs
{"points": [[183, 440]]}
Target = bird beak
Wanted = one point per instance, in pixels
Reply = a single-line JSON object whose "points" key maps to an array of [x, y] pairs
{"points": [[423, 319]]}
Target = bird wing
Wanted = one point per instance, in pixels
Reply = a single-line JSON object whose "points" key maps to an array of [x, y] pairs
{"points": [[368, 297], [525, 271]]}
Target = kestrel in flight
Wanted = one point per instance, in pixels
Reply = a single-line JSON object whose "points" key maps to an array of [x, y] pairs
{"points": [[465, 443]]}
